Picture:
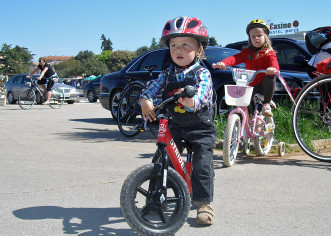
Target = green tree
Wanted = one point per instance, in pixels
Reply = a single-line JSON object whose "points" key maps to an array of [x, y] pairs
{"points": [[84, 63], [154, 45], [104, 56], [119, 59], [15, 60], [84, 55], [69, 68], [93, 66], [142, 50], [212, 41], [106, 44]]}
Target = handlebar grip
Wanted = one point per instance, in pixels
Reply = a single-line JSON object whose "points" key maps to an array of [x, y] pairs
{"points": [[189, 91]]}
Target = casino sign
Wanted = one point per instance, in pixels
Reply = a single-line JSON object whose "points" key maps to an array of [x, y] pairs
{"points": [[284, 28]]}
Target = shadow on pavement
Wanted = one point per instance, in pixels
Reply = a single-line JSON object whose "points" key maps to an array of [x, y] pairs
{"points": [[273, 159], [93, 135], [92, 221]]}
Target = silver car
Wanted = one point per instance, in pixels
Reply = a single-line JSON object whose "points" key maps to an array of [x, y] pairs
{"points": [[17, 83]]}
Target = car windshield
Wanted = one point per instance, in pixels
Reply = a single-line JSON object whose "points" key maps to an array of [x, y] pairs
{"points": [[214, 55]]}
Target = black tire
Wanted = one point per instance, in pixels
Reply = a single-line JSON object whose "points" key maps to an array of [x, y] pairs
{"points": [[138, 193], [26, 99], [57, 98], [310, 115], [129, 118], [91, 96], [10, 98], [113, 103], [231, 140]]}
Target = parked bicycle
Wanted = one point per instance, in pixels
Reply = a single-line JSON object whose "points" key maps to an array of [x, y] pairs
{"points": [[312, 118], [27, 97], [240, 128], [129, 118], [155, 198]]}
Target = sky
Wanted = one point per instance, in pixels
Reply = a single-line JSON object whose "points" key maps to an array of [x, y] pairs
{"points": [[66, 27]]}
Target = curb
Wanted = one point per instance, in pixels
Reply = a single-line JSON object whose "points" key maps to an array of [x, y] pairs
{"points": [[293, 147]]}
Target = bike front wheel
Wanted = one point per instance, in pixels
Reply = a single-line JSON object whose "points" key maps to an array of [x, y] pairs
{"points": [[312, 119], [147, 211], [27, 99], [231, 140], [129, 118], [57, 98]]}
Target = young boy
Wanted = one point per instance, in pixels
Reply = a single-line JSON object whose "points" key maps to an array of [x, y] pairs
{"points": [[191, 121]]}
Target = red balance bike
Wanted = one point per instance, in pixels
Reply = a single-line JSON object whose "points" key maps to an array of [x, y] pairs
{"points": [[155, 198]]}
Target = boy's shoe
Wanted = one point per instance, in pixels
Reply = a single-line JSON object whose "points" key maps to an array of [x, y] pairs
{"points": [[205, 213], [266, 110]]}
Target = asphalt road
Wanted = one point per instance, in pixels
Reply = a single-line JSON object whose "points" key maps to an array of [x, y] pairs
{"points": [[61, 172]]}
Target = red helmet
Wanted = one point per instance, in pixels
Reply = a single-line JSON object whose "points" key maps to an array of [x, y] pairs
{"points": [[184, 26]]}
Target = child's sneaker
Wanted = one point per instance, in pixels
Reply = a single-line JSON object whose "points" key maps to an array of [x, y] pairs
{"points": [[266, 110], [205, 213]]}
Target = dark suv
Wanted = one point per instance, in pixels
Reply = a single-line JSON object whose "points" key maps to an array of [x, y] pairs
{"points": [[292, 55], [113, 83]]}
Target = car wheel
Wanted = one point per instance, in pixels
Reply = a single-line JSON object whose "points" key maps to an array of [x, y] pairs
{"points": [[10, 98], [114, 101], [222, 108], [91, 96], [70, 102]]}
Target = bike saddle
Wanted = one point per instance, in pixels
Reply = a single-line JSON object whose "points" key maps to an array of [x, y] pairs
{"points": [[260, 97]]}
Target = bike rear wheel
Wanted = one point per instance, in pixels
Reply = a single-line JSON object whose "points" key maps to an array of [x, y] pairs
{"points": [[57, 98], [129, 118], [231, 140], [263, 144], [146, 210], [312, 119], [27, 99]]}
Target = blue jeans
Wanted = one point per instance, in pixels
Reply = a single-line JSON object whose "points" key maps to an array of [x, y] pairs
{"points": [[198, 131]]}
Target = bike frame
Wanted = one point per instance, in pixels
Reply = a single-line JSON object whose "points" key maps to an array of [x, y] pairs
{"points": [[168, 149], [243, 111]]}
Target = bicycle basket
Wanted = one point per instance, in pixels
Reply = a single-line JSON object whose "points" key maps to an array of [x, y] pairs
{"points": [[236, 95]]}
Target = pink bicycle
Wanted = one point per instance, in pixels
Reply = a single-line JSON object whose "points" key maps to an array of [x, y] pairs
{"points": [[240, 128]]}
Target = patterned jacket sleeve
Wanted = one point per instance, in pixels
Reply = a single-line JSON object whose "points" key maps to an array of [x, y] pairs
{"points": [[204, 85], [153, 88]]}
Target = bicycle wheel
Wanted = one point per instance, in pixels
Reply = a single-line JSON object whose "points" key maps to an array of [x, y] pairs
{"points": [[312, 119], [149, 212], [263, 144], [27, 99], [129, 118], [231, 140], [57, 98]]}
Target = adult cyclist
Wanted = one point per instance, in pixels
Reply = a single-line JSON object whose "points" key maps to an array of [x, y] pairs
{"points": [[47, 75]]}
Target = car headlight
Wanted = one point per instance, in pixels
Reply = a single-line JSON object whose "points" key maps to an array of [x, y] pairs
{"points": [[74, 91]]}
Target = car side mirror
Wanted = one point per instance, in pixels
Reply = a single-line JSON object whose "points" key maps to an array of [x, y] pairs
{"points": [[300, 60]]}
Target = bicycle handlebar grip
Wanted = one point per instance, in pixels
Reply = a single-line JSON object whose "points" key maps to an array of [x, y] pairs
{"points": [[189, 91]]}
